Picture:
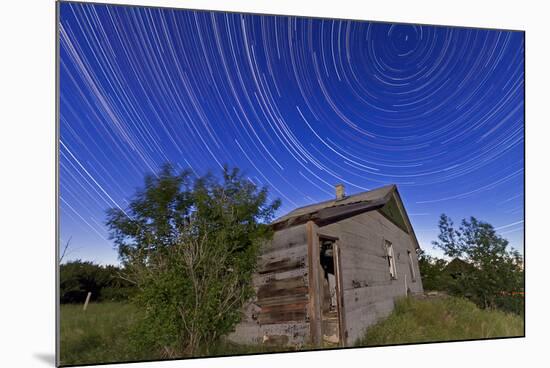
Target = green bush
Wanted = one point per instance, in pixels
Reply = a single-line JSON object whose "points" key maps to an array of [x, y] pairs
{"points": [[432, 272], [190, 244], [514, 303]]}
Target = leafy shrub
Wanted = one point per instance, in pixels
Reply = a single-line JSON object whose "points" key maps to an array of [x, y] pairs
{"points": [[432, 272], [190, 245]]}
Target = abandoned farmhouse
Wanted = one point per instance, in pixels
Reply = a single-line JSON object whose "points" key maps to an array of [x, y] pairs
{"points": [[331, 270]]}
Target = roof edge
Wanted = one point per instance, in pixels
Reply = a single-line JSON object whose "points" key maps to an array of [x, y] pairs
{"points": [[327, 215]]}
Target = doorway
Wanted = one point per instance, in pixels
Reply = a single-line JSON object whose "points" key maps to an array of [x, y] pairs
{"points": [[332, 330]]}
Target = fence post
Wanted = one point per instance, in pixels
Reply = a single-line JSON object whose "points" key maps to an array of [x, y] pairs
{"points": [[87, 300]]}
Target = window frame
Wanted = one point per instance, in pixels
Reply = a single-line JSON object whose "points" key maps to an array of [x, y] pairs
{"points": [[390, 256], [411, 266]]}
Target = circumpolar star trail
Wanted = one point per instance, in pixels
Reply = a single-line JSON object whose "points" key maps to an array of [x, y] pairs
{"points": [[299, 104]]}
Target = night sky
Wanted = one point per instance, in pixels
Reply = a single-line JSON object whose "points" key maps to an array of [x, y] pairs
{"points": [[299, 104]]}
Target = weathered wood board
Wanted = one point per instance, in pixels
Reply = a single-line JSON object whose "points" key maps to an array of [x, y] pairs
{"points": [[279, 312]]}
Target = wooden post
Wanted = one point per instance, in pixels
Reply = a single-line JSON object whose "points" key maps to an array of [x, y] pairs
{"points": [[87, 300], [314, 284], [340, 294]]}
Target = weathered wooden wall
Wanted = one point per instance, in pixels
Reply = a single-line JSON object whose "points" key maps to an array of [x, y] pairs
{"points": [[279, 313], [369, 291]]}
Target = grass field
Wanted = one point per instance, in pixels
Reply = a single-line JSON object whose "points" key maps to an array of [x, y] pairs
{"points": [[98, 335], [441, 319], [101, 333]]}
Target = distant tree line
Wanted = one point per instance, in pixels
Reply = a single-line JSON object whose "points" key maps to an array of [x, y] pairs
{"points": [[482, 267], [77, 278]]}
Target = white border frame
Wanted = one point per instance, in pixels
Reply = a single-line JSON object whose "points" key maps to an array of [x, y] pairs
{"points": [[28, 160]]}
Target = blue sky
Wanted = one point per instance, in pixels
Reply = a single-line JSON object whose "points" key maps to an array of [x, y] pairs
{"points": [[299, 104]]}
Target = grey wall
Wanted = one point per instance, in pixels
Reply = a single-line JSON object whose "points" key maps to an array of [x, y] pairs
{"points": [[369, 291]]}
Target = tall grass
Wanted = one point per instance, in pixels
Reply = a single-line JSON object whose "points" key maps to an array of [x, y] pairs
{"points": [[442, 319], [98, 335], [101, 334]]}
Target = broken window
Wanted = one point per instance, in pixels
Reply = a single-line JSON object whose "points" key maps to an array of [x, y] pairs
{"points": [[411, 266], [391, 259]]}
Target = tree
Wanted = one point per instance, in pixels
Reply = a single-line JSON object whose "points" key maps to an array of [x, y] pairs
{"points": [[77, 278], [431, 271], [496, 271], [190, 245]]}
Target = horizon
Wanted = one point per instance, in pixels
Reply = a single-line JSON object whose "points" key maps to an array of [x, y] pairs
{"points": [[299, 104]]}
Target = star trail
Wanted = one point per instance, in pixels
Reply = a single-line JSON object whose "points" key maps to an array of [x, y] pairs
{"points": [[299, 104]]}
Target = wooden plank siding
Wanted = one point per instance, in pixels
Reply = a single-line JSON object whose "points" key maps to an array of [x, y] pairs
{"points": [[279, 312], [287, 306], [342, 330]]}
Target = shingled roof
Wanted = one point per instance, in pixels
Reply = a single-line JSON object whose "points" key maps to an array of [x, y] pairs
{"points": [[324, 213]]}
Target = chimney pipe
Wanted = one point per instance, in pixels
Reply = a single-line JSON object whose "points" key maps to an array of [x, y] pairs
{"points": [[340, 194]]}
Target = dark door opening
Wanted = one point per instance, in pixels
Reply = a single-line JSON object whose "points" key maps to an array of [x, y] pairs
{"points": [[330, 292]]}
